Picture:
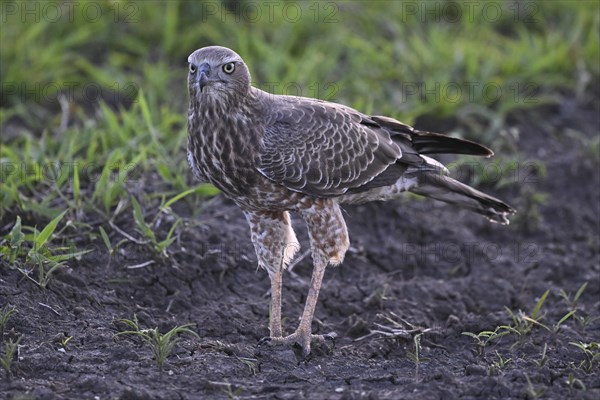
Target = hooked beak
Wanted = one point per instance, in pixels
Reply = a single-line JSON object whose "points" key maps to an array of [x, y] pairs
{"points": [[203, 75]]}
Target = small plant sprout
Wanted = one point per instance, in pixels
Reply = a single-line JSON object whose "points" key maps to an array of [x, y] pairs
{"points": [[416, 356], [106, 241], [5, 313], [573, 382], [484, 337], [62, 340], [9, 351], [500, 362], [544, 358], [523, 324], [572, 302], [16, 237], [160, 246], [591, 353], [39, 255], [535, 315], [63, 343], [160, 344], [563, 320]]}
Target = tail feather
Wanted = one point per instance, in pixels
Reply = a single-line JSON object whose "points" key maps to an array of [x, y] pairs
{"points": [[446, 189], [420, 174], [430, 142], [434, 143]]}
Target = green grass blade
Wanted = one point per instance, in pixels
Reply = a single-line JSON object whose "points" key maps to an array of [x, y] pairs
{"points": [[206, 190], [178, 197], [579, 292], [69, 256], [139, 220], [539, 304], [45, 234], [563, 319], [106, 240], [76, 185], [146, 114], [16, 238]]}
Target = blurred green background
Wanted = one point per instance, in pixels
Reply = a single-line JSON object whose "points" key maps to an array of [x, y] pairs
{"points": [[93, 103]]}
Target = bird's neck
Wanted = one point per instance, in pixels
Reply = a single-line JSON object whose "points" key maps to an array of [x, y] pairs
{"points": [[216, 119]]}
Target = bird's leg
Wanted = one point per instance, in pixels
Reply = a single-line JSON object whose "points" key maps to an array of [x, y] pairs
{"points": [[303, 334], [275, 322], [329, 242], [275, 244]]}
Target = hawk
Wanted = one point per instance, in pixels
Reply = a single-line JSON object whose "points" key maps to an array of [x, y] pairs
{"points": [[274, 154]]}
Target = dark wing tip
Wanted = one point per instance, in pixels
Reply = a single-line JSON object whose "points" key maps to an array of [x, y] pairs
{"points": [[435, 143], [430, 142]]}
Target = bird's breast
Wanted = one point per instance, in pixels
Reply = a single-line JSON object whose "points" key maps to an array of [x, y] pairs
{"points": [[220, 150]]}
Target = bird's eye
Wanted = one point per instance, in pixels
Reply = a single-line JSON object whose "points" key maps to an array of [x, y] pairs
{"points": [[192, 69], [229, 68]]}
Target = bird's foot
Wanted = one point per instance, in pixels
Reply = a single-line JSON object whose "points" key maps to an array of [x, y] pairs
{"points": [[302, 339]]}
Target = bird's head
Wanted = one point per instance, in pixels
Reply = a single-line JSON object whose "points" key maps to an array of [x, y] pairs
{"points": [[217, 71]]}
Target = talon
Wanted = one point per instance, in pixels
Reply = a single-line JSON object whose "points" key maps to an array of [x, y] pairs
{"points": [[302, 341], [305, 355], [331, 336]]}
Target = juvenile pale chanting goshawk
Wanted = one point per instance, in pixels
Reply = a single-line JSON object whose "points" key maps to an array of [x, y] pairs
{"points": [[275, 154]]}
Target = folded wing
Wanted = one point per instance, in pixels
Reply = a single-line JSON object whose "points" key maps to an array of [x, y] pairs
{"points": [[322, 149]]}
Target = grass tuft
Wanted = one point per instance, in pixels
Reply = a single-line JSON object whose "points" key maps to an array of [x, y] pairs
{"points": [[160, 344]]}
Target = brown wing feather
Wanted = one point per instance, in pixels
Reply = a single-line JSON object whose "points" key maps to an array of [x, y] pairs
{"points": [[326, 149], [320, 148]]}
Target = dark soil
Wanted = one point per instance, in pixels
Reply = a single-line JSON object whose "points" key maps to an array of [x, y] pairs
{"points": [[416, 266]]}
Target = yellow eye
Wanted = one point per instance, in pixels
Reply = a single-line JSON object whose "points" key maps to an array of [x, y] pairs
{"points": [[192, 69], [229, 68]]}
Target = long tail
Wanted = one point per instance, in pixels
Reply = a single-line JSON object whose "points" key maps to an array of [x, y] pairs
{"points": [[441, 187]]}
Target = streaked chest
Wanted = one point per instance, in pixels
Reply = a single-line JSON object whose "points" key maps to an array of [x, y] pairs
{"points": [[221, 147]]}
